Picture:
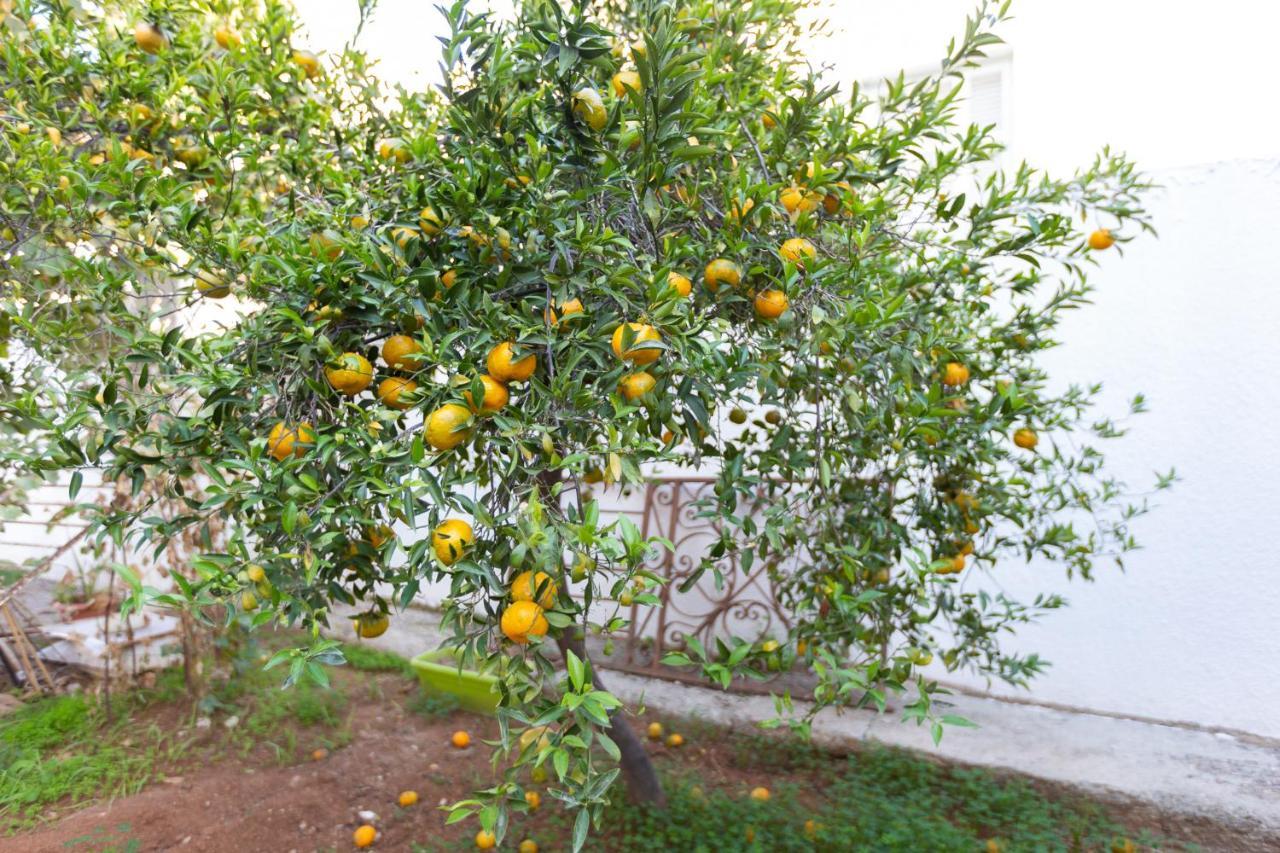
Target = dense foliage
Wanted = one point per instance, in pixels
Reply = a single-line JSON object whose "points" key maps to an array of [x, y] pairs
{"points": [[621, 233]]}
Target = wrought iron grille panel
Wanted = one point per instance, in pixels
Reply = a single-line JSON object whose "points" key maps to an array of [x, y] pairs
{"points": [[743, 605]]}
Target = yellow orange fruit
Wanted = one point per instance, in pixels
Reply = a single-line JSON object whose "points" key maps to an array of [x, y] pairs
{"points": [[738, 210], [393, 391], [379, 534], [636, 385], [528, 846], [522, 620], [256, 573], [527, 584], [505, 367], [760, 794], [624, 80], [485, 840], [147, 36], [452, 539], [1026, 438], [430, 222], [680, 284], [799, 201], [654, 731], [324, 244], [460, 740], [495, 396], [771, 304], [393, 149], [284, 441], [370, 625], [227, 38], [1101, 239], [797, 250], [212, 285], [722, 271], [402, 234], [402, 352], [248, 602], [407, 798], [533, 799], [955, 374], [308, 62], [350, 375], [364, 836], [567, 309], [448, 426], [449, 277], [636, 351], [588, 106], [675, 741]]}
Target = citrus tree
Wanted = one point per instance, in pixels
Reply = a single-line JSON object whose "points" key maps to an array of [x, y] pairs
{"points": [[620, 233]]}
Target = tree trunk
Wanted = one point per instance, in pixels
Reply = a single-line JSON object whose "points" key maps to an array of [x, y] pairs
{"points": [[638, 772]]}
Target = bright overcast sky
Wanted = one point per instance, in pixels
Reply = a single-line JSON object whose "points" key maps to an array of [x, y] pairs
{"points": [[1171, 83]]}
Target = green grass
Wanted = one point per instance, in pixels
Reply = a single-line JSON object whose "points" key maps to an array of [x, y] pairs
{"points": [[366, 658], [63, 748], [879, 799]]}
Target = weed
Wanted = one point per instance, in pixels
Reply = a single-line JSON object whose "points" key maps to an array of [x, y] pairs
{"points": [[366, 658], [433, 706]]}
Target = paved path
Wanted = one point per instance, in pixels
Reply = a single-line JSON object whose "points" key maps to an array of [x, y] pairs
{"points": [[1195, 773]]}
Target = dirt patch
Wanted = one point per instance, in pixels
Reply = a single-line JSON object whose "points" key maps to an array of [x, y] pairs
{"points": [[276, 798], [254, 803]]}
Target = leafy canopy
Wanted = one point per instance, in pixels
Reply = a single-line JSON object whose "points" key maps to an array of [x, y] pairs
{"points": [[210, 233]]}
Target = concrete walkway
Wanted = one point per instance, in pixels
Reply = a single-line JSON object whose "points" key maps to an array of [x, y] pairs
{"points": [[1195, 774]]}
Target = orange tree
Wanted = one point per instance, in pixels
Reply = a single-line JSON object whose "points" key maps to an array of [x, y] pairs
{"points": [[622, 232]]}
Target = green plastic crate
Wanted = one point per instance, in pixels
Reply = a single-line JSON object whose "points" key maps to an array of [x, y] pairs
{"points": [[438, 672]]}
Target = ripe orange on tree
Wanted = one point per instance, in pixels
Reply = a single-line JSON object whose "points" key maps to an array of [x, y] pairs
{"points": [[227, 38], [528, 846], [680, 284], [402, 352], [451, 539], [448, 426], [308, 62], [722, 271], [636, 385], [533, 800], [526, 584], [429, 222], [505, 367], [640, 334], [371, 624], [624, 80], [392, 389], [284, 441], [771, 304], [486, 840], [522, 620], [350, 374], [495, 396], [955, 374], [148, 36], [1026, 438], [797, 250], [1101, 239], [588, 106]]}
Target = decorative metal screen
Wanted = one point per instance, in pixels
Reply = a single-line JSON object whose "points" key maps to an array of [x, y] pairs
{"points": [[745, 605]]}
